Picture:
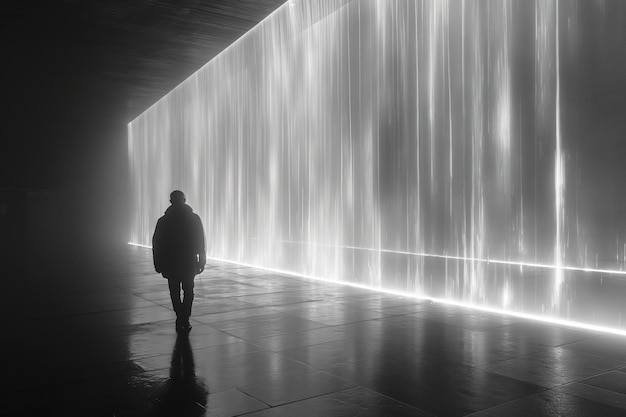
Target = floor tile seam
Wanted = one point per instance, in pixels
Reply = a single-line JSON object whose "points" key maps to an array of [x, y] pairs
{"points": [[150, 356], [595, 387], [274, 305], [275, 334], [321, 326], [279, 378], [330, 326], [270, 311], [391, 314], [238, 278], [243, 284], [555, 347], [147, 299], [478, 367], [435, 320], [220, 312], [287, 304], [581, 381], [444, 358], [251, 396], [354, 380], [271, 378], [543, 390], [240, 308], [592, 400], [291, 315], [596, 336], [394, 400], [249, 276], [301, 399], [195, 351], [614, 369], [556, 386], [271, 293], [166, 303], [196, 317], [204, 301], [226, 295], [255, 352], [426, 413], [239, 339], [297, 347], [351, 322], [312, 344], [399, 315], [508, 359], [494, 327], [336, 376], [315, 368], [256, 325], [578, 380]]}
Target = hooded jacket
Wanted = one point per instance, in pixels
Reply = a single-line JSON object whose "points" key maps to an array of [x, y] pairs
{"points": [[178, 247]]}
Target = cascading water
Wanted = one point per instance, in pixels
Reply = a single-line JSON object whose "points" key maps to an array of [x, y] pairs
{"points": [[398, 144]]}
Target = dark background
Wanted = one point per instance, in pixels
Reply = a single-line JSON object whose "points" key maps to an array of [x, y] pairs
{"points": [[74, 74]]}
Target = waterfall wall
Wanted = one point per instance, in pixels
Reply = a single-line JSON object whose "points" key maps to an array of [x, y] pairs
{"points": [[402, 144]]}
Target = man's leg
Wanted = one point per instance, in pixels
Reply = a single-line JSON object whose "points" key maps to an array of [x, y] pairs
{"points": [[175, 296], [188, 285]]}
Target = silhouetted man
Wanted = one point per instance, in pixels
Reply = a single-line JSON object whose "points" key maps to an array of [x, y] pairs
{"points": [[179, 254]]}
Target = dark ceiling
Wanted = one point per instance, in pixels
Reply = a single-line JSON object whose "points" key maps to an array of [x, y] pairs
{"points": [[75, 72]]}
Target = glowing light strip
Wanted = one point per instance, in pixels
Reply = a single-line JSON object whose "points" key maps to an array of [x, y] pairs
{"points": [[140, 245], [550, 320], [463, 258], [456, 258]]}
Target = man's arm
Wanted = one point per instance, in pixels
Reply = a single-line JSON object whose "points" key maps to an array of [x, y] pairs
{"points": [[156, 247], [201, 245]]}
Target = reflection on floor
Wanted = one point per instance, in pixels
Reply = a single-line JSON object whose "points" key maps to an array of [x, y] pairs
{"points": [[269, 345]]}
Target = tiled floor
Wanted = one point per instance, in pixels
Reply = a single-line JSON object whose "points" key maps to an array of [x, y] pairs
{"points": [[99, 340]]}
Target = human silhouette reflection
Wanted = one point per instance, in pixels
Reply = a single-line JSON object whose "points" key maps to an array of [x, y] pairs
{"points": [[184, 394]]}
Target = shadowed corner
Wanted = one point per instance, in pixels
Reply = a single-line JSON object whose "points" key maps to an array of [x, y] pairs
{"points": [[183, 394]]}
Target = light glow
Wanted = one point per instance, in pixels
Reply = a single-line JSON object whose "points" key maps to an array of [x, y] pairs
{"points": [[397, 145], [550, 320]]}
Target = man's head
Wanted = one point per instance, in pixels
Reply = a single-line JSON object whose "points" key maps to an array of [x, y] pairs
{"points": [[177, 198]]}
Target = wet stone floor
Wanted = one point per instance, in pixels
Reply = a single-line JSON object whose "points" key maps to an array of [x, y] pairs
{"points": [[104, 344]]}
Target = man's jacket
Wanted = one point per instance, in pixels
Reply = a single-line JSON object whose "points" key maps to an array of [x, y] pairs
{"points": [[178, 247]]}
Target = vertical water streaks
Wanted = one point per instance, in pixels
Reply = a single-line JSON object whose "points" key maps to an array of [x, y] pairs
{"points": [[559, 175], [399, 144]]}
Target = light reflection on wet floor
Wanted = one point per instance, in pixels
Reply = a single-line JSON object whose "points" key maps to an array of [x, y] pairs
{"points": [[271, 345]]}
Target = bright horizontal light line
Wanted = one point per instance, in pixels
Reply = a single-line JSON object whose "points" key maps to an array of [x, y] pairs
{"points": [[526, 316], [462, 258], [140, 245]]}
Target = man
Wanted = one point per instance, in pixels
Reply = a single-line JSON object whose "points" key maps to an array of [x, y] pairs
{"points": [[179, 254]]}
